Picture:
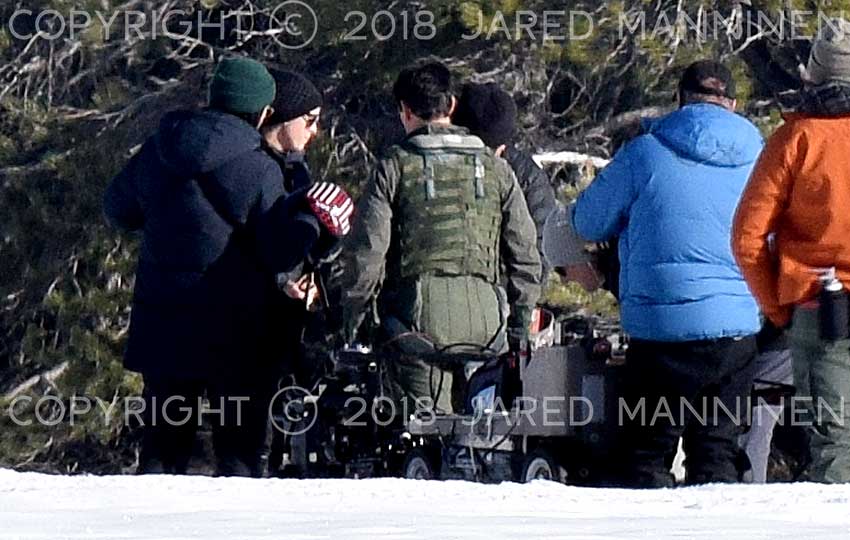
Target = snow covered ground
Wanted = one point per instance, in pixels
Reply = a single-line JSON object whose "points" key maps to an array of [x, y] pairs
{"points": [[35, 506]]}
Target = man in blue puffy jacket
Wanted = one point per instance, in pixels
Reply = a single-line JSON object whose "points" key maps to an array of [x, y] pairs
{"points": [[670, 195]]}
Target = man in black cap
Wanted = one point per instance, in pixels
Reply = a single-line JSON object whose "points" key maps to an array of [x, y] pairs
{"points": [[292, 125], [216, 229], [670, 195], [490, 114]]}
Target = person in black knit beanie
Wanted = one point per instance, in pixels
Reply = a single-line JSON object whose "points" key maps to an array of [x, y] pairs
{"points": [[490, 114], [292, 125]]}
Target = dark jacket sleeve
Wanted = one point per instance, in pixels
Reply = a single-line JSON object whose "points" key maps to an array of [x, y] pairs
{"points": [[288, 237], [519, 252], [366, 247], [538, 192], [283, 230], [120, 202]]}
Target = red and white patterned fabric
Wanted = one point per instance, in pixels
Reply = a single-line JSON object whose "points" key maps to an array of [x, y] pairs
{"points": [[332, 206]]}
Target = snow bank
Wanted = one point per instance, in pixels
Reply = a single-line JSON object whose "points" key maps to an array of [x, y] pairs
{"points": [[35, 506]]}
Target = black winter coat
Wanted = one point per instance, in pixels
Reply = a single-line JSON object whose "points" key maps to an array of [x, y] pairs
{"points": [[215, 230], [539, 195]]}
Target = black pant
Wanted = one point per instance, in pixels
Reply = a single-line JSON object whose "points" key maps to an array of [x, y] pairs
{"points": [[685, 387], [238, 413]]}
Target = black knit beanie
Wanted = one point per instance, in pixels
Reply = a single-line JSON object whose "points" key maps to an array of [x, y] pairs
{"points": [[488, 112], [296, 96]]}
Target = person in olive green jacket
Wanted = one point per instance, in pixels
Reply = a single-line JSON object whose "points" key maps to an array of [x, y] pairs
{"points": [[437, 219]]}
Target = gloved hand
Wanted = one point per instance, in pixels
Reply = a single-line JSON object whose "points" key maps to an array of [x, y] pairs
{"points": [[519, 322], [332, 206]]}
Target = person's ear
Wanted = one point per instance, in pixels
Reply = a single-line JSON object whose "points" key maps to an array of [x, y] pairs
{"points": [[452, 107], [500, 150], [406, 113], [733, 105], [264, 115], [805, 76], [280, 135], [268, 133]]}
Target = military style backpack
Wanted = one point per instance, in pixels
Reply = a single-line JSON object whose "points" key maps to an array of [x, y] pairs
{"points": [[449, 207]]}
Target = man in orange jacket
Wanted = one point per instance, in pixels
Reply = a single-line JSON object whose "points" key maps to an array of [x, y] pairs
{"points": [[799, 194]]}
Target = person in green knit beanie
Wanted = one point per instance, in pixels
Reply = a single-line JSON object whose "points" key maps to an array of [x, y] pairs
{"points": [[204, 193]]}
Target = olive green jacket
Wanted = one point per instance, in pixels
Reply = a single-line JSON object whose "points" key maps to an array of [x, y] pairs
{"points": [[371, 253]]}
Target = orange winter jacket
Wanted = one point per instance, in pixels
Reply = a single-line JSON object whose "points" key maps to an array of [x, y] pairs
{"points": [[800, 191]]}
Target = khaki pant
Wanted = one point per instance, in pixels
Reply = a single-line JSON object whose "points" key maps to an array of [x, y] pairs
{"points": [[822, 379], [456, 313]]}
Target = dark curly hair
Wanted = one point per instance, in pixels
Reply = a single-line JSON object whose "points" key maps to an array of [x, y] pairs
{"points": [[426, 89]]}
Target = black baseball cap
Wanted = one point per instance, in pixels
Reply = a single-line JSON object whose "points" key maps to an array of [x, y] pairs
{"points": [[708, 77]]}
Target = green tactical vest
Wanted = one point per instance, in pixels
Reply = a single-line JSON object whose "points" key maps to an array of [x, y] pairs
{"points": [[449, 210]]}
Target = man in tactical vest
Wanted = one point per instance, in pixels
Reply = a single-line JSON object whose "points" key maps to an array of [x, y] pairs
{"points": [[438, 217]]}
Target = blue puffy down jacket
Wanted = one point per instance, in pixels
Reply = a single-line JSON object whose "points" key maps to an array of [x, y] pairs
{"points": [[670, 196]]}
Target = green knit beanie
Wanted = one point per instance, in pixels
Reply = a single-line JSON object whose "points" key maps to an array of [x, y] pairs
{"points": [[241, 85]]}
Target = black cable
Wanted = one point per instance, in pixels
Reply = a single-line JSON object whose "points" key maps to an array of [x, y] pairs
{"points": [[439, 388], [481, 348], [503, 439]]}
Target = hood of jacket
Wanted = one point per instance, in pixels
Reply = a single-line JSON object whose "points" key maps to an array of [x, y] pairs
{"points": [[195, 142], [708, 134]]}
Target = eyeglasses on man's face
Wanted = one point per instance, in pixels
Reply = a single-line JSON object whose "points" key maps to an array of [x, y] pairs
{"points": [[310, 120]]}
